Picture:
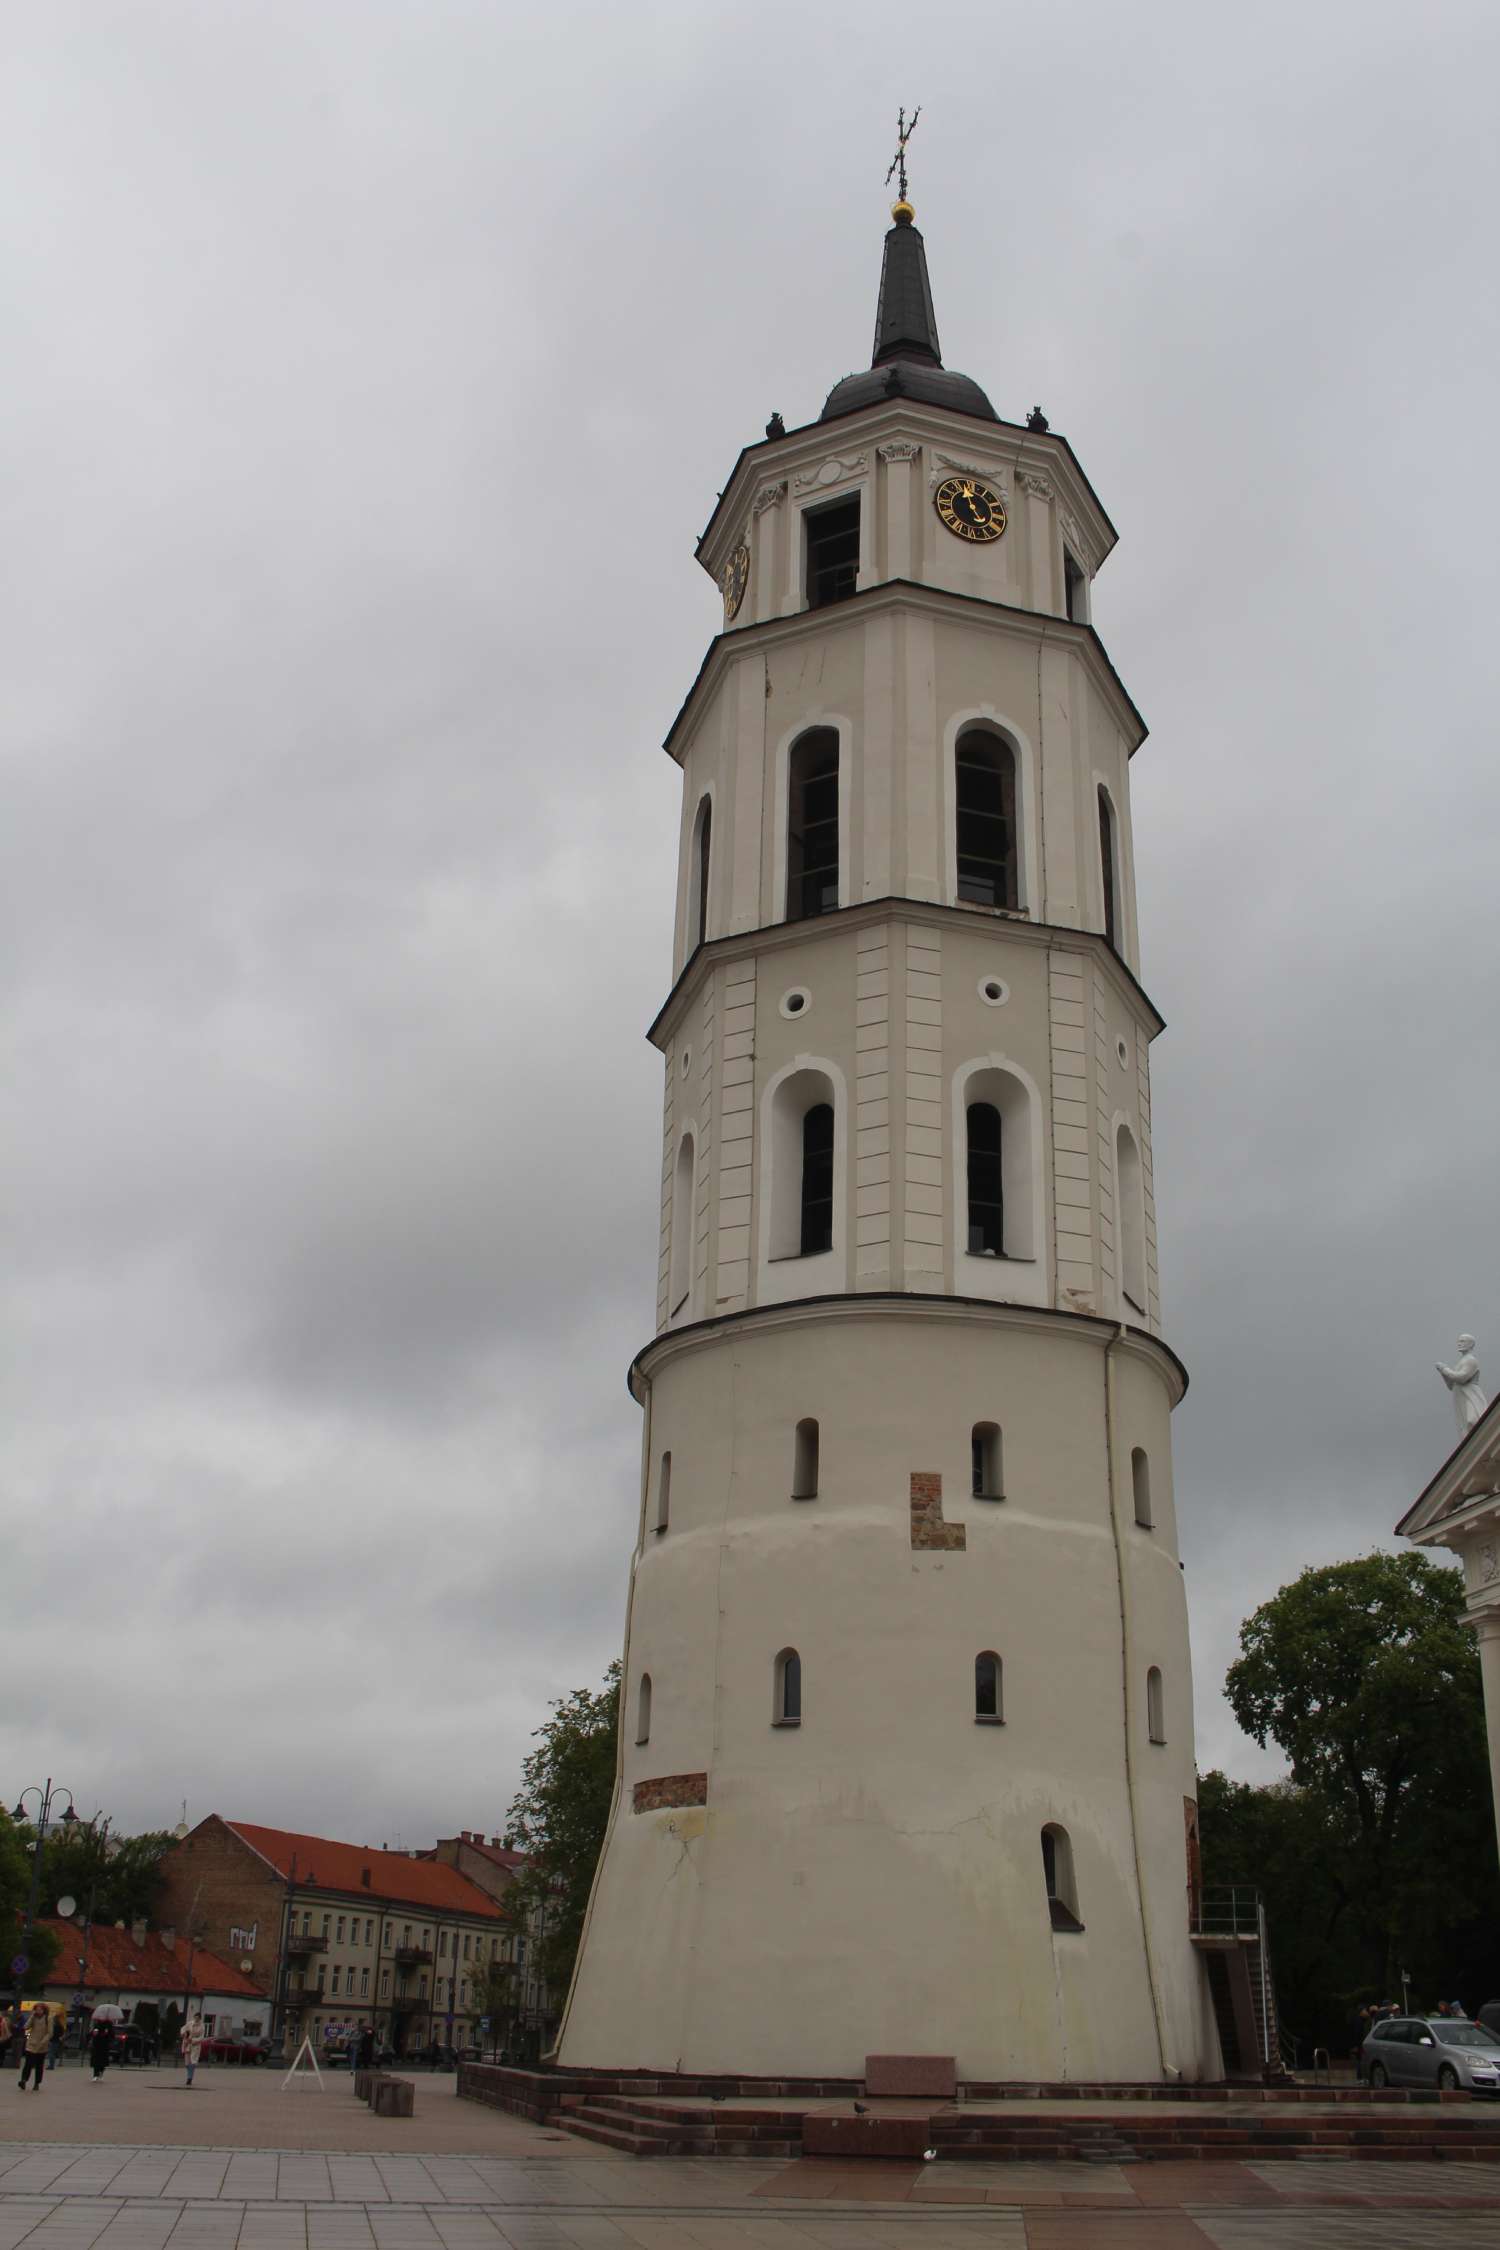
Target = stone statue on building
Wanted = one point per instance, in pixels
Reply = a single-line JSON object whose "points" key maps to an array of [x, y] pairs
{"points": [[1462, 1379]]}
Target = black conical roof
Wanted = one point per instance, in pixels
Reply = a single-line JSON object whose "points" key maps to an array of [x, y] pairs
{"points": [[907, 361]]}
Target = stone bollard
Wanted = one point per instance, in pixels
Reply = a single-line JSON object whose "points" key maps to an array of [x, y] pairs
{"points": [[394, 2097]]}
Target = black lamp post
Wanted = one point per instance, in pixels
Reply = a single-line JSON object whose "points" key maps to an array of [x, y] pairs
{"points": [[66, 1819]]}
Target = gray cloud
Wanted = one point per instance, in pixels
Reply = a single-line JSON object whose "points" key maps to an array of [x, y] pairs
{"points": [[370, 371]]}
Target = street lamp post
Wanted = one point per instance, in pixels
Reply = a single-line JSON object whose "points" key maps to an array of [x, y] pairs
{"points": [[66, 1818]]}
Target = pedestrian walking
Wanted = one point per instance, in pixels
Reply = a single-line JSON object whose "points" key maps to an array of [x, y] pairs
{"points": [[101, 2046], [55, 2044], [34, 2045], [192, 2044]]}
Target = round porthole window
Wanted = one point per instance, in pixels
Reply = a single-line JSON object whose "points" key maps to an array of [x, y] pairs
{"points": [[1123, 1052], [994, 991], [797, 1001]]}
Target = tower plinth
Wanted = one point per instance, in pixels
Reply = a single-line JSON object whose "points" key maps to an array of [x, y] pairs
{"points": [[906, 1719]]}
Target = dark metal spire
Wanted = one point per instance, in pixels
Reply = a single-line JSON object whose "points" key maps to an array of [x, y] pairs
{"points": [[905, 323]]}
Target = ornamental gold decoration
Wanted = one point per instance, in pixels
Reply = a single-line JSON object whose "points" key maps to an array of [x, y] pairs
{"points": [[733, 579], [970, 509]]}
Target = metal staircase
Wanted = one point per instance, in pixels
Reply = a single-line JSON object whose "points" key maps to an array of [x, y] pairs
{"points": [[1229, 1933]]}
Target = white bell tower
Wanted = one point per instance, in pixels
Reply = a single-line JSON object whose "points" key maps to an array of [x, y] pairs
{"points": [[907, 1736]]}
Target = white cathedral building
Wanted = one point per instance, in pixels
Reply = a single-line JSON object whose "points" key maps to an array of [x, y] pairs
{"points": [[906, 1723]]}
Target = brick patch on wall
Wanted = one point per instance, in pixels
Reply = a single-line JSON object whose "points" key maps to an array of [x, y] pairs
{"points": [[669, 1789], [928, 1529]]}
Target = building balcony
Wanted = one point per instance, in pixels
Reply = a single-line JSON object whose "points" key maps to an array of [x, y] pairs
{"points": [[304, 1942], [412, 1956]]}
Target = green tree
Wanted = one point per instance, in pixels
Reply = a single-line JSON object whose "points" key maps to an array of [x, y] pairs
{"points": [[16, 1843], [559, 1817], [121, 1875], [1364, 1676]]}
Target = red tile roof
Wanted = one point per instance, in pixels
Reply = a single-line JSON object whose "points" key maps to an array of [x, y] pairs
{"points": [[117, 1963], [501, 1854], [326, 1866]]}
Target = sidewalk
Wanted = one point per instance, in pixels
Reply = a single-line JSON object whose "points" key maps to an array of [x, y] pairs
{"points": [[223, 2172]]}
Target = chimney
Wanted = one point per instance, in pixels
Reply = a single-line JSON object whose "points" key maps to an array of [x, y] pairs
{"points": [[138, 1932], [168, 1939]]}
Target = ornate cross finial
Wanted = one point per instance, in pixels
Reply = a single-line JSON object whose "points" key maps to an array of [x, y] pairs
{"points": [[904, 133]]}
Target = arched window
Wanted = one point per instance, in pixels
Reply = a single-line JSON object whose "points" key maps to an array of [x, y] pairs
{"points": [[681, 1284], [805, 1462], [643, 1709], [986, 1182], [1057, 1867], [816, 1232], [1140, 1485], [989, 1704], [812, 825], [987, 1461], [1156, 1710], [1130, 1219], [1108, 863], [787, 1703], [703, 849], [985, 819], [664, 1492]]}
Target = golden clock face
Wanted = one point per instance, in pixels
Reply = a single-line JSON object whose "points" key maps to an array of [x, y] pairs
{"points": [[970, 509], [733, 579]]}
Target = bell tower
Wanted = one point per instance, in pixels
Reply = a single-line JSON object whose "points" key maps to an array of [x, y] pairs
{"points": [[906, 1724]]}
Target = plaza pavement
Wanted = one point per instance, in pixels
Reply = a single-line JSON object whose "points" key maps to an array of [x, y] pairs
{"points": [[137, 2162]]}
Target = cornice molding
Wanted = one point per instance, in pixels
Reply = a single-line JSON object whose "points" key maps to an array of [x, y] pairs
{"points": [[770, 937], [1469, 1478], [1086, 1329], [735, 644]]}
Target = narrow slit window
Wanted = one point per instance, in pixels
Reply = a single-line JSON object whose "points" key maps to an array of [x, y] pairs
{"points": [[805, 1462], [664, 1492], [987, 1461], [1130, 1218], [986, 1182], [1156, 1710], [812, 860], [1107, 864], [1075, 589], [681, 1286], [988, 1703], [705, 849], [1057, 1870], [643, 1709], [787, 1709], [985, 817], [1140, 1485], [832, 536], [817, 1180]]}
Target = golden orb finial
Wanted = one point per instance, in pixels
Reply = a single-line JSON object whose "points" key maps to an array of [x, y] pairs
{"points": [[902, 212]]}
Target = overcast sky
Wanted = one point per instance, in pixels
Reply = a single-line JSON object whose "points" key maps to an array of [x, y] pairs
{"points": [[369, 368]]}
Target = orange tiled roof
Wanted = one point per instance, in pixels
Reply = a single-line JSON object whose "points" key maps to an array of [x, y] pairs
{"points": [[501, 1854], [326, 1866], [116, 1963]]}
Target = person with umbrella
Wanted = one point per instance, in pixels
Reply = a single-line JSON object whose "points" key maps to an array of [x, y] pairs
{"points": [[102, 2036]]}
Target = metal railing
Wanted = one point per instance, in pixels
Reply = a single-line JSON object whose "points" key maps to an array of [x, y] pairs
{"points": [[1227, 1911]]}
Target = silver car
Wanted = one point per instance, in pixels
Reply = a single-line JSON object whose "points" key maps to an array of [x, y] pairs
{"points": [[1431, 2051]]}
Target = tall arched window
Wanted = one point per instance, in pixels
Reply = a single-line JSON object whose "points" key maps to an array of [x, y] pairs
{"points": [[1140, 1486], [681, 1284], [703, 851], [987, 1461], [805, 1462], [812, 825], [1130, 1219], [643, 1709], [1057, 1869], [986, 1182], [985, 819], [1108, 863], [1156, 1710], [664, 1492], [989, 1705], [817, 1180], [786, 1708]]}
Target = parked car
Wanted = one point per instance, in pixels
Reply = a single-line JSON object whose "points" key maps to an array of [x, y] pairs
{"points": [[1437, 2051], [131, 2045]]}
